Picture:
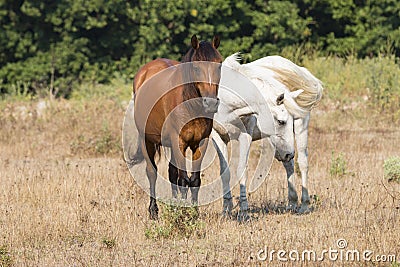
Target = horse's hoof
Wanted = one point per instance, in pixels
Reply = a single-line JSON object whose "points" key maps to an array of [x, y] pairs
{"points": [[153, 210], [225, 214], [291, 208], [154, 216], [304, 210], [243, 217], [134, 161], [227, 208]]}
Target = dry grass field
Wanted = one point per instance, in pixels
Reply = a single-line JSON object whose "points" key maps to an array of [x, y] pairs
{"points": [[67, 198]]}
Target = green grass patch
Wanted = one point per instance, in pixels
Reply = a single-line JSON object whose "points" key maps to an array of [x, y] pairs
{"points": [[5, 257], [391, 168], [118, 90], [109, 243], [338, 166], [177, 221]]}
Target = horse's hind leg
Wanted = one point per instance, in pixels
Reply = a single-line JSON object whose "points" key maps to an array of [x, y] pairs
{"points": [[244, 145], [151, 171], [301, 135], [173, 176], [245, 139]]}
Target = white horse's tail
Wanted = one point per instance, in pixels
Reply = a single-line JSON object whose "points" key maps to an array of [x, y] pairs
{"points": [[286, 73], [294, 78], [233, 62]]}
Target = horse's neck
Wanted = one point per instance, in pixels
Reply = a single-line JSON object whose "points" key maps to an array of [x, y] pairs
{"points": [[192, 111]]}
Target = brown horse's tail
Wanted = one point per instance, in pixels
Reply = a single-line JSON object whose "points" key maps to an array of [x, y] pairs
{"points": [[131, 140], [136, 157]]}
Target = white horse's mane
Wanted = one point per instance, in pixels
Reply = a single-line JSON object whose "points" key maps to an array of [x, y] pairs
{"points": [[290, 75]]}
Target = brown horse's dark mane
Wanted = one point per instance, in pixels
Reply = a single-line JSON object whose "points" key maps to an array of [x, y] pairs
{"points": [[205, 52]]}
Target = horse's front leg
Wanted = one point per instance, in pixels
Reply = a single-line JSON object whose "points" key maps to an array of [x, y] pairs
{"points": [[197, 158], [301, 135], [222, 152], [292, 194], [179, 152], [245, 139]]}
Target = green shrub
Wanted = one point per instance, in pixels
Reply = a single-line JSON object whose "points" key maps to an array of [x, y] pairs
{"points": [[109, 242], [118, 90], [50, 46], [5, 257], [384, 83], [391, 168], [338, 165], [176, 221], [106, 142]]}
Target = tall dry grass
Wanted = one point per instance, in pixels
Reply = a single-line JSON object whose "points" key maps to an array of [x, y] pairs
{"points": [[67, 198]]}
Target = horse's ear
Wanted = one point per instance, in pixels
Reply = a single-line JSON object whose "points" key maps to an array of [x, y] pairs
{"points": [[195, 41], [215, 42], [296, 93], [279, 99]]}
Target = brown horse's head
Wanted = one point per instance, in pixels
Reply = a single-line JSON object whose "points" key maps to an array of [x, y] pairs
{"points": [[205, 71]]}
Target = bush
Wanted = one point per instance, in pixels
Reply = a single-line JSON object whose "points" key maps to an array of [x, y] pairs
{"points": [[55, 72], [48, 46], [391, 168], [338, 165], [176, 221], [383, 83], [109, 243], [5, 257]]}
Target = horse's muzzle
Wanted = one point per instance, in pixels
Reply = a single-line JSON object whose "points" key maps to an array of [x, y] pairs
{"points": [[210, 104]]}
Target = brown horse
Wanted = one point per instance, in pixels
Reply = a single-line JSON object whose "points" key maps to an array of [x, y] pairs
{"points": [[175, 108]]}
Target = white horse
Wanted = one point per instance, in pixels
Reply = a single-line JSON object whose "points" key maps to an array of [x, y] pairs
{"points": [[290, 92]]}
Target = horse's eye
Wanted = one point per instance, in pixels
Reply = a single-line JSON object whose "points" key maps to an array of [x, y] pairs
{"points": [[282, 123]]}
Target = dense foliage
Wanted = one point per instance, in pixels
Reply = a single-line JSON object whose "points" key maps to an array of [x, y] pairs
{"points": [[47, 46]]}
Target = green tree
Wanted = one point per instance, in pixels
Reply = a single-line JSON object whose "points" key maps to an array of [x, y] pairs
{"points": [[49, 46]]}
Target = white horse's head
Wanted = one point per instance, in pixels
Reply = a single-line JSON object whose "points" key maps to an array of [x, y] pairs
{"points": [[284, 126], [283, 140]]}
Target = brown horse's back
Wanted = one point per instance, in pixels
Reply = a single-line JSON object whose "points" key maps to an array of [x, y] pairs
{"points": [[156, 113], [150, 69]]}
